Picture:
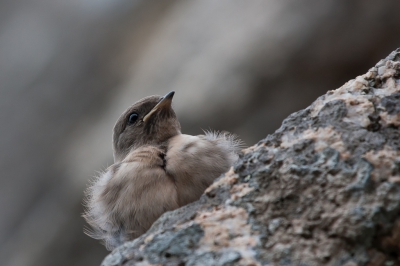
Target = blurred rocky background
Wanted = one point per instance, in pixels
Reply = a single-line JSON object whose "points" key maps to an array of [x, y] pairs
{"points": [[68, 69]]}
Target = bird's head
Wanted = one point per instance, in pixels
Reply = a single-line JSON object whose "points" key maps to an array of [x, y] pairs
{"points": [[150, 121]]}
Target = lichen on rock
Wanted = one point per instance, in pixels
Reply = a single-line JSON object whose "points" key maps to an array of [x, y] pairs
{"points": [[324, 189]]}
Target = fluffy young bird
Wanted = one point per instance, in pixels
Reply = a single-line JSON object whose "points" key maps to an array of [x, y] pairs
{"points": [[156, 169]]}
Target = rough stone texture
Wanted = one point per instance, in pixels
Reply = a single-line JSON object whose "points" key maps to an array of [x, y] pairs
{"points": [[324, 189]]}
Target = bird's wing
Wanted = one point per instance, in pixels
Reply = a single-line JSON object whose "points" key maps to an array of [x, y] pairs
{"points": [[195, 161], [126, 199]]}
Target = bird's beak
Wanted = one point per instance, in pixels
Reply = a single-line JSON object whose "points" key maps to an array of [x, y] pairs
{"points": [[165, 103]]}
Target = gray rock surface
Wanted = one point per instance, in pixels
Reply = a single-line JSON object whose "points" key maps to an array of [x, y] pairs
{"points": [[324, 189]]}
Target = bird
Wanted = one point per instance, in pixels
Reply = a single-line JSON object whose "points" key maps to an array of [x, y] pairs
{"points": [[156, 169]]}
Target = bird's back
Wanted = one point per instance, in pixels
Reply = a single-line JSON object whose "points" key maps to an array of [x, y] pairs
{"points": [[195, 161]]}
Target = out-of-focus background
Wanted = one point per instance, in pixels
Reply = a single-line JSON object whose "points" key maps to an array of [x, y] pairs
{"points": [[68, 69]]}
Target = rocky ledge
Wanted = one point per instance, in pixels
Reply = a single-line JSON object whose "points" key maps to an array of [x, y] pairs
{"points": [[324, 189]]}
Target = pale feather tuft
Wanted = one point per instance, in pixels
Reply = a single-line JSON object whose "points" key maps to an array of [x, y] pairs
{"points": [[96, 214], [228, 141]]}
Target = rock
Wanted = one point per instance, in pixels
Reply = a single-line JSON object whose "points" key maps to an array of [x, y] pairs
{"points": [[324, 189]]}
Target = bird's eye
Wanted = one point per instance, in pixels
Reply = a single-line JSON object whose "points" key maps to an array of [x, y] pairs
{"points": [[132, 118]]}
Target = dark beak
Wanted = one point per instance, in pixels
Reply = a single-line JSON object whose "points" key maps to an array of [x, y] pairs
{"points": [[165, 103]]}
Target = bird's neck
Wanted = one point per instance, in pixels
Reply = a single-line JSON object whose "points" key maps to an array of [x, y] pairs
{"points": [[162, 144]]}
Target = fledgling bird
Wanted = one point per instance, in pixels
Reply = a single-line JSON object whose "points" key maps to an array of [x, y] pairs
{"points": [[156, 169]]}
